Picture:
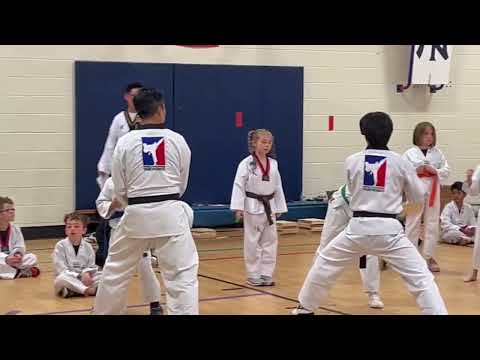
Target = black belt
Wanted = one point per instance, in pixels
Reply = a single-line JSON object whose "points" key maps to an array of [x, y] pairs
{"points": [[265, 200], [116, 215], [152, 199], [363, 262], [369, 214]]}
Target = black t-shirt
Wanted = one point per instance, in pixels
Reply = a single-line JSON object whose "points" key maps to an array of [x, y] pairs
{"points": [[424, 152], [76, 247]]}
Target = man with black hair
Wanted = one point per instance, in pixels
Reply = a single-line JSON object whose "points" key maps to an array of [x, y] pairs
{"points": [[122, 123], [150, 171], [377, 179], [458, 219]]}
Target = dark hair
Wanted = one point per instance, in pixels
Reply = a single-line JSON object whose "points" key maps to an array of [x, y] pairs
{"points": [[130, 87], [76, 216], [420, 129], [5, 200], [457, 185], [377, 127], [147, 102]]}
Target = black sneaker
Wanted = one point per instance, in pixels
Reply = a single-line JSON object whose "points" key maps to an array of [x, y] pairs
{"points": [[66, 293], [156, 311]]}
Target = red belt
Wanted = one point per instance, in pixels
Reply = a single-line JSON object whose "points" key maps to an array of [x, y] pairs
{"points": [[433, 193]]}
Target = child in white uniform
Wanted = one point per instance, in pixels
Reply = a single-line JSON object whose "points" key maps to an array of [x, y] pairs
{"points": [[458, 218], [337, 218], [74, 261], [258, 198], [432, 168], [14, 261]]}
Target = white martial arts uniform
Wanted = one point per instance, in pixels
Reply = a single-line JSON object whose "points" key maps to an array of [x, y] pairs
{"points": [[148, 280], [452, 220], [377, 179], [69, 267], [163, 226], [119, 127], [16, 244], [474, 190], [260, 238], [431, 215], [336, 220]]}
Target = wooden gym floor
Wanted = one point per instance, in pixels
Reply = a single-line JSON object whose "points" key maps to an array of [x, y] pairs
{"points": [[223, 290]]}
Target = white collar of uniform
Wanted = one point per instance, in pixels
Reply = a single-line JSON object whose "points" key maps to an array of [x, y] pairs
{"points": [[378, 151], [430, 149], [454, 204], [71, 243]]}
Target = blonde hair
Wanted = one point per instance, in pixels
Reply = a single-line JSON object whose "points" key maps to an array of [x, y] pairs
{"points": [[420, 129], [253, 136]]}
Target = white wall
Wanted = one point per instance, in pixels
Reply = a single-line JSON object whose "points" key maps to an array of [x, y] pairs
{"points": [[36, 116]]}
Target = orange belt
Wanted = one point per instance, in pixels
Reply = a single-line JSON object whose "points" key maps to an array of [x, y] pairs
{"points": [[433, 193]]}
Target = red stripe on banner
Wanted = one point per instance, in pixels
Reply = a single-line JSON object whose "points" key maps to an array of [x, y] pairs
{"points": [[239, 119], [331, 122]]}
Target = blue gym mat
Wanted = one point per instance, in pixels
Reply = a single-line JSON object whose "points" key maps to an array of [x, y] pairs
{"points": [[221, 215]]}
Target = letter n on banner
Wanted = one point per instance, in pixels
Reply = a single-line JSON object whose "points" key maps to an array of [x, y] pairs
{"points": [[430, 64]]}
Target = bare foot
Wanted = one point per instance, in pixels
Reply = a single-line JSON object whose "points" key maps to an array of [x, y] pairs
{"points": [[90, 291], [472, 276], [464, 242], [432, 265]]}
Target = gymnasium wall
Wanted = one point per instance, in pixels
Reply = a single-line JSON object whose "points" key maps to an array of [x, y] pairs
{"points": [[36, 110]]}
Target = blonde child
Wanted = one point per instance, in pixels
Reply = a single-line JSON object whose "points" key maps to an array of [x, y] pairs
{"points": [[258, 198], [74, 260]]}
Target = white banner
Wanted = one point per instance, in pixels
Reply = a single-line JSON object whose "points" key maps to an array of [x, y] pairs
{"points": [[430, 64]]}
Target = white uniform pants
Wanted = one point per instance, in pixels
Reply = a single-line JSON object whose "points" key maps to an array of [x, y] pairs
{"points": [[8, 273], [148, 280], [476, 247], [72, 283], [260, 245], [431, 218], [397, 250], [455, 236], [336, 220], [178, 263]]}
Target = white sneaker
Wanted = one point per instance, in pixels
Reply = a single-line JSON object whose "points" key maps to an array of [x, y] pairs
{"points": [[375, 302], [300, 310], [267, 280], [255, 282]]}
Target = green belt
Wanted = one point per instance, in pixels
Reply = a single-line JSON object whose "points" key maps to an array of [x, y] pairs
{"points": [[343, 191]]}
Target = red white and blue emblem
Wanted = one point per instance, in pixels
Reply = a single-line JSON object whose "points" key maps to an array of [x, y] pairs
{"points": [[153, 149], [375, 172]]}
